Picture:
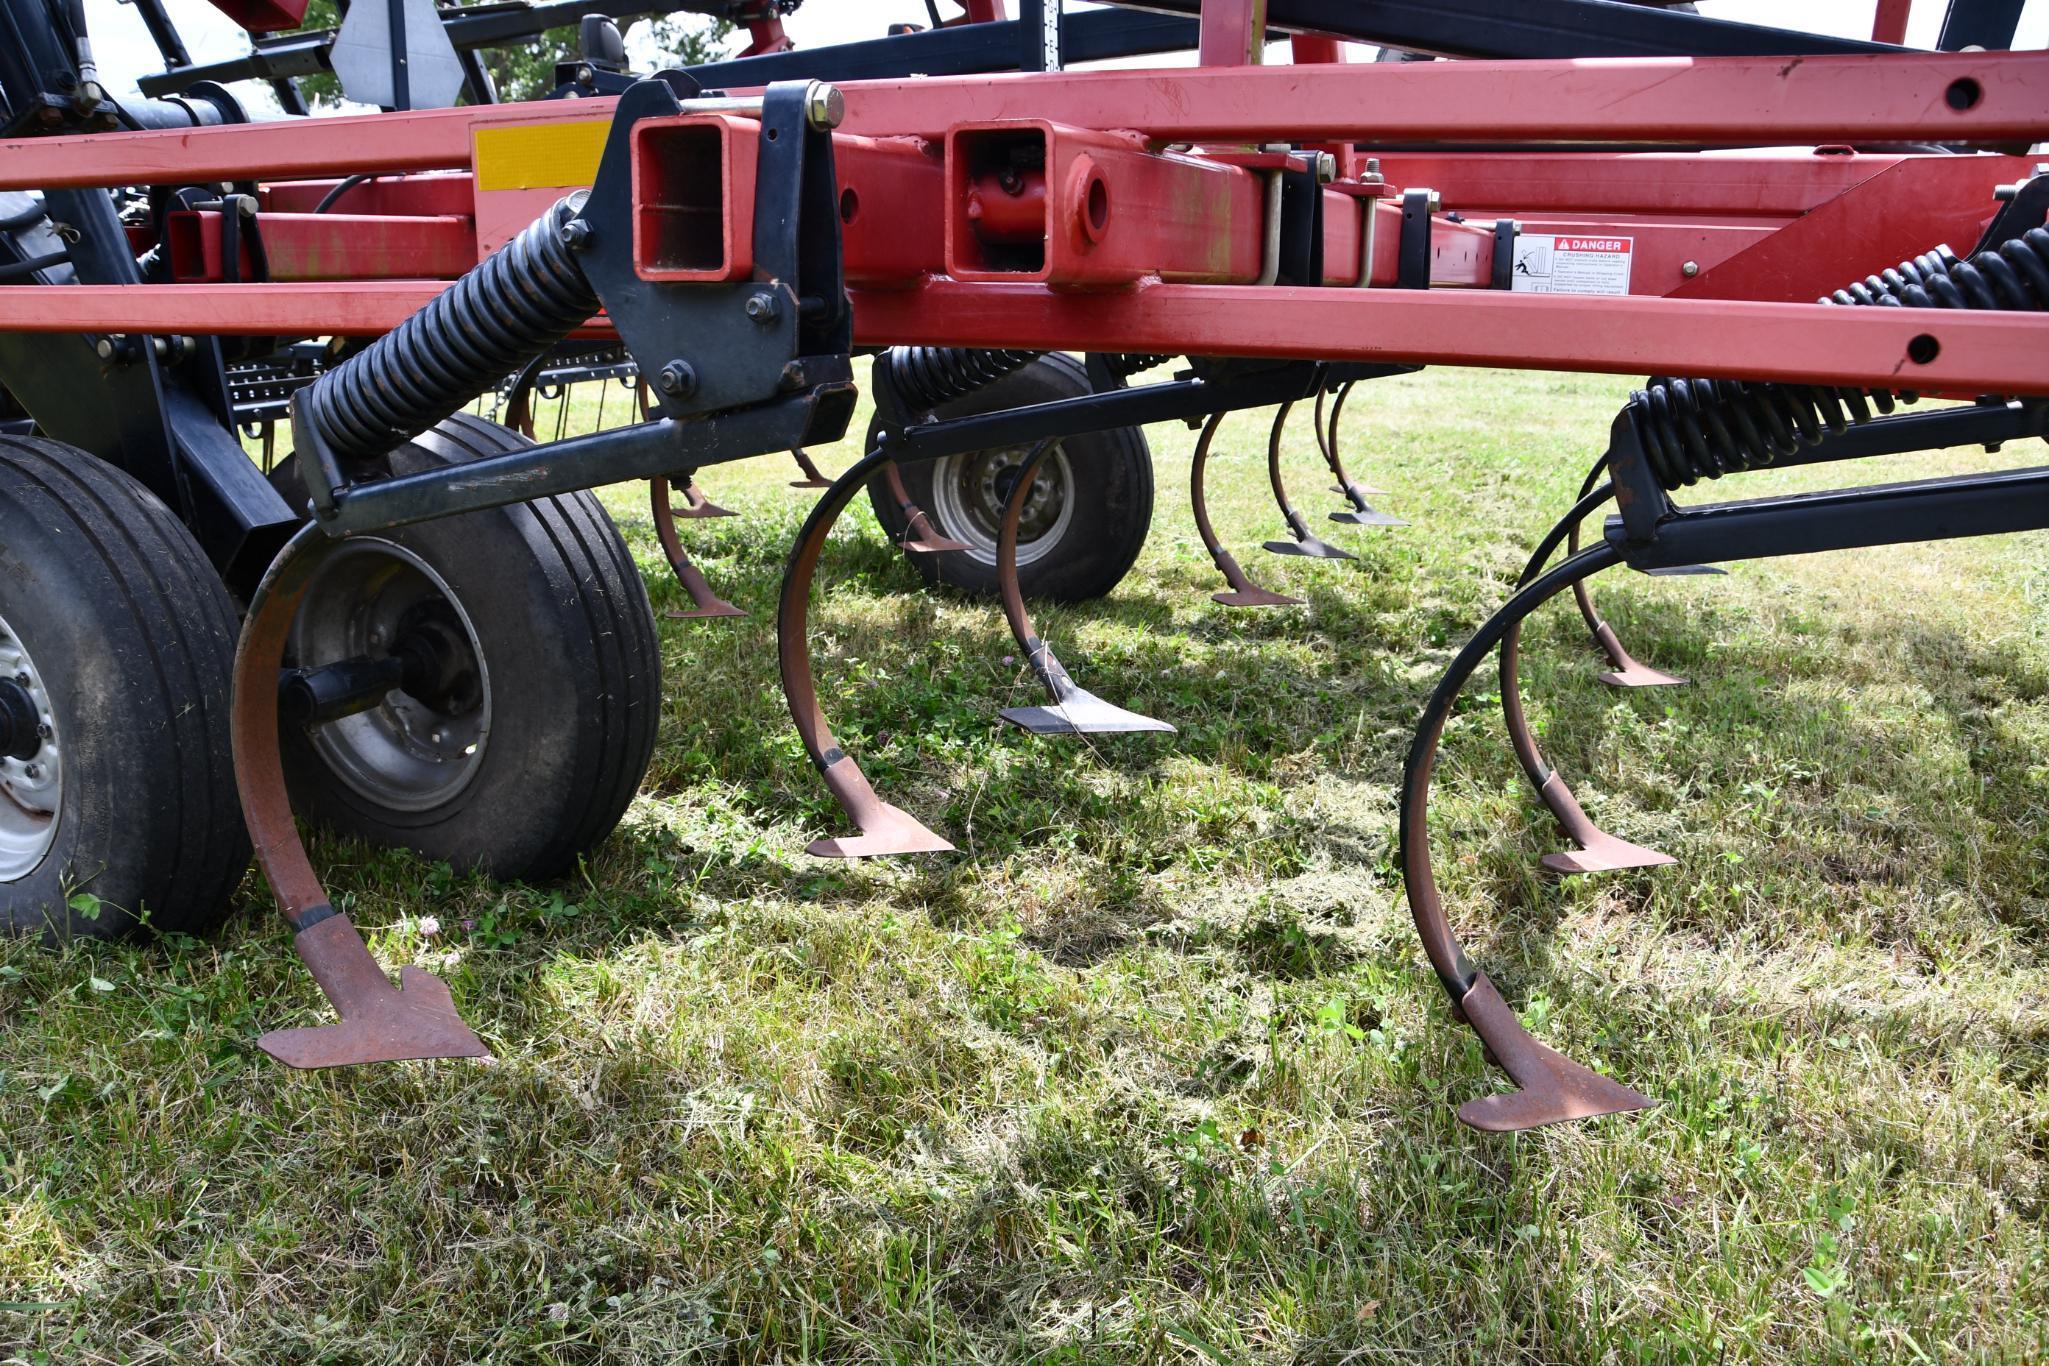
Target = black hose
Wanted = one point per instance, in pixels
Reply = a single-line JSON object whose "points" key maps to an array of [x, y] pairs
{"points": [[328, 200], [15, 270]]}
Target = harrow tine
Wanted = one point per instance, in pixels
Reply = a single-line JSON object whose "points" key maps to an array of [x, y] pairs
{"points": [[812, 479], [1626, 670], [1598, 851], [707, 603], [1074, 710], [1553, 1088], [1304, 543], [1243, 592], [885, 829], [1361, 513], [379, 1022]]}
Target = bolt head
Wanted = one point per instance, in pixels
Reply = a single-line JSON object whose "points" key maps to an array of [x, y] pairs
{"points": [[824, 106], [584, 75], [104, 348], [1326, 168], [677, 379], [1690, 269]]}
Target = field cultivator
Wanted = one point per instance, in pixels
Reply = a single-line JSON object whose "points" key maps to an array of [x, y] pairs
{"points": [[444, 644]]}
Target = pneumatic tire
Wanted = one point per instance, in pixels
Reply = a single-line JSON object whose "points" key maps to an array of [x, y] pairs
{"points": [[117, 645], [530, 748], [1083, 524]]}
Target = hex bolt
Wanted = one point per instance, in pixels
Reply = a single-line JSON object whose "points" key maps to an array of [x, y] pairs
{"points": [[677, 379], [824, 106], [1326, 168], [32, 772], [761, 307], [585, 76], [1690, 269], [576, 234]]}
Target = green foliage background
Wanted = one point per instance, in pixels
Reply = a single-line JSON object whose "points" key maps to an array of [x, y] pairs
{"points": [[527, 71]]}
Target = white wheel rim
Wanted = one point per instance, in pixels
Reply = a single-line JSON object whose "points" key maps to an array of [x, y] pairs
{"points": [[967, 501], [31, 788]]}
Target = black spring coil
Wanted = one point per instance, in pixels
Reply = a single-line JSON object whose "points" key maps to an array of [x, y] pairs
{"points": [[1695, 429], [929, 376], [522, 299], [1125, 364]]}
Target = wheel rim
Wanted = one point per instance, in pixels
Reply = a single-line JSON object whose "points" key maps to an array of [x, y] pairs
{"points": [[969, 492], [31, 777], [406, 753]]}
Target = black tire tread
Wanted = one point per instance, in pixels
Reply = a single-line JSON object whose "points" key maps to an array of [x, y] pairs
{"points": [[183, 615]]}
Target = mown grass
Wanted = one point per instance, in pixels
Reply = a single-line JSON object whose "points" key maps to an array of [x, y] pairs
{"points": [[1153, 1069]]}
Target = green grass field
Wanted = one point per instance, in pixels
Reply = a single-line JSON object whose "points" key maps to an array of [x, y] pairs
{"points": [[1153, 1069]]}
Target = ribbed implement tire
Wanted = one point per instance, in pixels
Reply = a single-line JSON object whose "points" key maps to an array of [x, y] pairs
{"points": [[574, 664], [133, 637]]}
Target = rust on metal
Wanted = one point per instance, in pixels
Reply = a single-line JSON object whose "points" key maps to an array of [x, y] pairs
{"points": [[379, 1022], [1243, 592]]}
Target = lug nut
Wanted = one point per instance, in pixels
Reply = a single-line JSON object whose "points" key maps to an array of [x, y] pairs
{"points": [[33, 772], [677, 379], [22, 678]]}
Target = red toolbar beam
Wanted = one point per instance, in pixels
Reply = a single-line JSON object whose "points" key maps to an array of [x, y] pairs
{"points": [[1730, 101], [2004, 353]]}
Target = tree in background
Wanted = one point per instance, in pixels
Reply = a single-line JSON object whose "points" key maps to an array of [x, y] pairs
{"points": [[527, 71]]}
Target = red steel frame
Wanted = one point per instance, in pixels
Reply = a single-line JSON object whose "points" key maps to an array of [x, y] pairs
{"points": [[1766, 234]]}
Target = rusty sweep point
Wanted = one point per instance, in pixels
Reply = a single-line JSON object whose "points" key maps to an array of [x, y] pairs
{"points": [[380, 1022], [1599, 851], [1309, 547], [1554, 1087], [885, 829], [1630, 672]]}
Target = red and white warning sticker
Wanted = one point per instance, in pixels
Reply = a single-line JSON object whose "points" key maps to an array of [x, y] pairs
{"points": [[1563, 263]]}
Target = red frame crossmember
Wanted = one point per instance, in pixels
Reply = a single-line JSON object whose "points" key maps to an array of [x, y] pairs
{"points": [[1133, 237]]}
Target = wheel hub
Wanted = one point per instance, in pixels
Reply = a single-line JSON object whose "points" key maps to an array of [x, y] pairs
{"points": [[31, 762], [420, 745], [971, 491]]}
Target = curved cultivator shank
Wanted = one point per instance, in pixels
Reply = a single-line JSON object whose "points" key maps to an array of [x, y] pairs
{"points": [[379, 1022]]}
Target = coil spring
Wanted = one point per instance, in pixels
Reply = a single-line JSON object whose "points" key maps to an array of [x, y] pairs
{"points": [[522, 299], [1125, 364], [928, 376], [1695, 429]]}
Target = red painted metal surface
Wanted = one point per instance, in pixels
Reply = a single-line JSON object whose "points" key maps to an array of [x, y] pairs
{"points": [[693, 197], [1728, 101], [1901, 212], [1233, 32], [1078, 208], [1889, 21], [1978, 352], [328, 246]]}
